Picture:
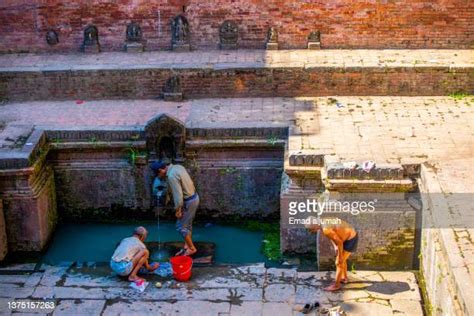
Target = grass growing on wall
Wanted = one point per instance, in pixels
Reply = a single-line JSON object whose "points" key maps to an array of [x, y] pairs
{"points": [[271, 237]]}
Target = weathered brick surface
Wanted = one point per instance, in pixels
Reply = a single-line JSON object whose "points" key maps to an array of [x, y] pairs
{"points": [[148, 83], [239, 181], [242, 73], [343, 24]]}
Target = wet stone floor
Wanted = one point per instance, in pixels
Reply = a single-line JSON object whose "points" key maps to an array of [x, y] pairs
{"points": [[92, 289]]}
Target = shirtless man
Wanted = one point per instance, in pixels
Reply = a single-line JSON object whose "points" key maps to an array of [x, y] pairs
{"points": [[344, 239]]}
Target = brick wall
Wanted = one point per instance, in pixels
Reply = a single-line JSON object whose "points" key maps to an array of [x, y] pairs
{"points": [[280, 82], [343, 23]]}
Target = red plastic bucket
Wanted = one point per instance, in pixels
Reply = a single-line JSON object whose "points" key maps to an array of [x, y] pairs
{"points": [[182, 266]]}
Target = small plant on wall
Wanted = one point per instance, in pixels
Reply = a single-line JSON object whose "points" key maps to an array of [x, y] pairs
{"points": [[134, 154]]}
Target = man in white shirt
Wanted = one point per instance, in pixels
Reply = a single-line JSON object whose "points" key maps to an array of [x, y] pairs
{"points": [[131, 254], [186, 201]]}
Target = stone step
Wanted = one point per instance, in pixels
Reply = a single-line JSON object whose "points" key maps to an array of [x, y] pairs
{"points": [[241, 73], [339, 170]]}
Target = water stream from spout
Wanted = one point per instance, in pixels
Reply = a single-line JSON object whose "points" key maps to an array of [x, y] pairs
{"points": [[159, 255]]}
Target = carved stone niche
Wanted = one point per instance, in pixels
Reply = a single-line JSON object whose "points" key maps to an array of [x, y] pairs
{"points": [[229, 35], [91, 40], [165, 139], [272, 39], [314, 40], [52, 37], [134, 42], [172, 90], [180, 34]]}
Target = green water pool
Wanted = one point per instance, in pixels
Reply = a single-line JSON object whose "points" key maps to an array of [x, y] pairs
{"points": [[96, 242]]}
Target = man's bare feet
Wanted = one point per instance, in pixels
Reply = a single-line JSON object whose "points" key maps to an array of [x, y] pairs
{"points": [[344, 281], [190, 252], [135, 279], [332, 288], [181, 252]]}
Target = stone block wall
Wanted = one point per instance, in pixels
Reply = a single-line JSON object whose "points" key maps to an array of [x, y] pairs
{"points": [[388, 238], [443, 266], [295, 239], [237, 182], [3, 234], [102, 189], [29, 205], [235, 83], [343, 24]]}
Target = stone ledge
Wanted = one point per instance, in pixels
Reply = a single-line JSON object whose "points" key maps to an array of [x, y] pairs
{"points": [[202, 143], [337, 170], [110, 137], [98, 145], [243, 58], [96, 135], [269, 132], [306, 159], [343, 185]]}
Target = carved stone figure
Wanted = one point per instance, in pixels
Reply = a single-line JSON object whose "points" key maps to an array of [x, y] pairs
{"points": [[91, 35], [272, 36], [91, 40], [228, 35], [314, 40], [314, 36], [172, 90], [134, 42], [134, 32], [52, 37], [180, 28], [272, 39], [180, 34]]}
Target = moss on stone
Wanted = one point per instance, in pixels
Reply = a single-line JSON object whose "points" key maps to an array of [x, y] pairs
{"points": [[428, 308], [396, 254]]}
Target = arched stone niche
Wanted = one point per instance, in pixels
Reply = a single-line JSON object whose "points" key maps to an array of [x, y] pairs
{"points": [[165, 138]]}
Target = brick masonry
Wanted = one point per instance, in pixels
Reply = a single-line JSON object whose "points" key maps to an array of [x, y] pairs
{"points": [[236, 83], [237, 181], [343, 24]]}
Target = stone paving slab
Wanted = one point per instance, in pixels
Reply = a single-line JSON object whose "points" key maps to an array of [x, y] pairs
{"points": [[384, 129], [79, 307], [280, 292], [238, 59]]}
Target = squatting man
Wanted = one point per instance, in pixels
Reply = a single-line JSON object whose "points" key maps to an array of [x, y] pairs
{"points": [[131, 255]]}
